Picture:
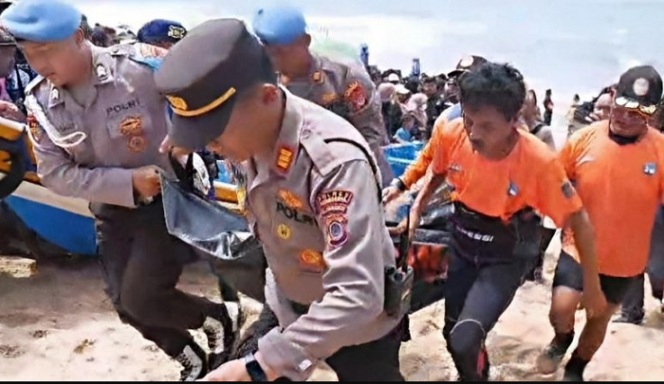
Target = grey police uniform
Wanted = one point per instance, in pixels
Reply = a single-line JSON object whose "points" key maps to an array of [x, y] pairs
{"points": [[348, 91], [319, 216], [314, 202], [88, 151]]}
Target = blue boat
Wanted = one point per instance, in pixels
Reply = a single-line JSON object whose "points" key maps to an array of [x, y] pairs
{"points": [[68, 223]]}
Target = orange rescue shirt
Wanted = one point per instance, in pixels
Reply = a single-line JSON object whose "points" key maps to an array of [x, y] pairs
{"points": [[621, 187], [419, 167], [530, 176]]}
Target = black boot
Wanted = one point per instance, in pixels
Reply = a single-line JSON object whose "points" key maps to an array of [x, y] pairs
{"points": [[550, 359], [223, 330], [575, 368], [630, 318], [194, 363]]}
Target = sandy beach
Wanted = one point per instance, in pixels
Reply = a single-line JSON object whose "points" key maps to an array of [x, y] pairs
{"points": [[59, 325]]}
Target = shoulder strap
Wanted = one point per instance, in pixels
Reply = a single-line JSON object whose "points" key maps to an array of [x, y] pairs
{"points": [[370, 159], [538, 128]]}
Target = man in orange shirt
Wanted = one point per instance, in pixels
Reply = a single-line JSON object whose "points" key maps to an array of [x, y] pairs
{"points": [[609, 161], [498, 173], [419, 168]]}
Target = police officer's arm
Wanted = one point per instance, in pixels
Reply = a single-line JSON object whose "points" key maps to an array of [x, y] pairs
{"points": [[365, 107], [354, 281], [59, 173]]}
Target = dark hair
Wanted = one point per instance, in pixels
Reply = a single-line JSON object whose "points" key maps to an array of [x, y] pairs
{"points": [[391, 71], [532, 92], [498, 85], [265, 75], [413, 85], [100, 38], [660, 115], [85, 27], [429, 80]]}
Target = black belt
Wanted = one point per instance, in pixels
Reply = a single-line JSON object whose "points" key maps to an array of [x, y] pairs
{"points": [[484, 238]]}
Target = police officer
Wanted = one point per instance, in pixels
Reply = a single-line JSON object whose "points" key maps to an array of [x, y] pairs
{"points": [[313, 200], [96, 121], [161, 33], [345, 89]]}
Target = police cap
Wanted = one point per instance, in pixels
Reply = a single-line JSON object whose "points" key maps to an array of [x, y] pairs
{"points": [[159, 30], [41, 21], [279, 25], [203, 74]]}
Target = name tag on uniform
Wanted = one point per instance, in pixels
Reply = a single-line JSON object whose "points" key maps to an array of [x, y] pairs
{"points": [[65, 128], [295, 215]]}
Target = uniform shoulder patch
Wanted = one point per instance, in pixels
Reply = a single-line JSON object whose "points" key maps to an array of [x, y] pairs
{"points": [[333, 208], [334, 202], [356, 97]]}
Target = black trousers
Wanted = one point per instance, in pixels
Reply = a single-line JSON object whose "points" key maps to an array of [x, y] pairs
{"points": [[476, 297], [142, 264], [633, 305], [374, 361]]}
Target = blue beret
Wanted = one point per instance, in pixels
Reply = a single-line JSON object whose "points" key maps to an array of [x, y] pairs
{"points": [[279, 25], [41, 21], [161, 30]]}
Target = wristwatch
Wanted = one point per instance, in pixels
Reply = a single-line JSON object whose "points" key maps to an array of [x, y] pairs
{"points": [[254, 369], [397, 182]]}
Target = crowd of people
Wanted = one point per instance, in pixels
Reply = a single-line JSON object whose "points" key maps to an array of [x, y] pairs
{"points": [[110, 107], [412, 104]]}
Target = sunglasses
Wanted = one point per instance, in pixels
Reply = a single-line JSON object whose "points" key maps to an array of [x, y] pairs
{"points": [[632, 105]]}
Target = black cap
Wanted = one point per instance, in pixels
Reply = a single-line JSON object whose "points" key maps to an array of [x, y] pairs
{"points": [[202, 76], [466, 64], [642, 85]]}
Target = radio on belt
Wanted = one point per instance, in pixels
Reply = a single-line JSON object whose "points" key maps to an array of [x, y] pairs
{"points": [[399, 280]]}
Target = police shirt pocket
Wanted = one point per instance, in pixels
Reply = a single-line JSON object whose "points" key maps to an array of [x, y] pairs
{"points": [[131, 127]]}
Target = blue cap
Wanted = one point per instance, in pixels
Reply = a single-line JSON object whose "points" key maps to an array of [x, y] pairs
{"points": [[279, 25], [160, 30], [41, 21]]}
